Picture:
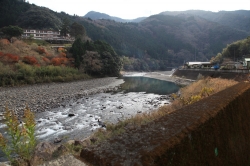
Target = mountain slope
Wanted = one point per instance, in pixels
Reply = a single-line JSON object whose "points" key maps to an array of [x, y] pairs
{"points": [[239, 19], [170, 38], [97, 15], [164, 37]]}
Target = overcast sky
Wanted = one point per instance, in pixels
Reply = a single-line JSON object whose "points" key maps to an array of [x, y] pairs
{"points": [[130, 9]]}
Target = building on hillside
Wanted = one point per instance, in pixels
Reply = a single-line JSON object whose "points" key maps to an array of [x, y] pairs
{"points": [[45, 35], [193, 65], [246, 63]]}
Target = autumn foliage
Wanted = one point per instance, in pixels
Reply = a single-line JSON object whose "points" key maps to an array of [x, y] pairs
{"points": [[41, 50], [30, 60], [4, 42], [9, 58], [46, 60], [62, 52], [59, 61]]}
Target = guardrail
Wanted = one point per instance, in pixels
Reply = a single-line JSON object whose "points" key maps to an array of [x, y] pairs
{"points": [[219, 70]]}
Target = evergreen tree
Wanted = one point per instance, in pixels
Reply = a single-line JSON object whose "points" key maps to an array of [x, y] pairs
{"points": [[65, 27], [78, 51], [77, 30], [12, 31]]}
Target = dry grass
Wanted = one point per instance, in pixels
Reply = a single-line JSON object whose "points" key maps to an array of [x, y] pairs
{"points": [[217, 84], [213, 84]]}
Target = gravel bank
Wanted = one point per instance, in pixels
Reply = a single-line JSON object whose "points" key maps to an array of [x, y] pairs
{"points": [[162, 75], [42, 97]]}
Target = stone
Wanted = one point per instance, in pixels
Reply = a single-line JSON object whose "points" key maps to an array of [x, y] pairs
{"points": [[44, 151], [57, 140], [66, 128], [71, 114]]}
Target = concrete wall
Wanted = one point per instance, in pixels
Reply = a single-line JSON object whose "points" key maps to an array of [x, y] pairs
{"points": [[221, 136], [213, 131], [193, 74]]}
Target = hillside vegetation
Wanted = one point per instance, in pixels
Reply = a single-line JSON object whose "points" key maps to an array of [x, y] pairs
{"points": [[155, 43], [164, 40], [22, 63], [239, 19], [235, 51]]}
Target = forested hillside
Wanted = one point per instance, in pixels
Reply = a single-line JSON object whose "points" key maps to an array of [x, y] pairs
{"points": [[234, 51], [170, 38], [155, 43], [239, 19]]}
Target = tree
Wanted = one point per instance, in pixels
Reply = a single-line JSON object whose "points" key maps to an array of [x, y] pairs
{"points": [[105, 62], [78, 51], [12, 31], [77, 30], [92, 63], [65, 27]]}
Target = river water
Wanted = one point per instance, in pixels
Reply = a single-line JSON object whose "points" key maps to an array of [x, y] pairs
{"points": [[79, 119]]}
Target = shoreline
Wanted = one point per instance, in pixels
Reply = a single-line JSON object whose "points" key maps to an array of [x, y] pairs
{"points": [[162, 75], [42, 97]]}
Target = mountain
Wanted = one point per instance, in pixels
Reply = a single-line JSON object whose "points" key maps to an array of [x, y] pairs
{"points": [[158, 41], [97, 15], [165, 37], [239, 19]]}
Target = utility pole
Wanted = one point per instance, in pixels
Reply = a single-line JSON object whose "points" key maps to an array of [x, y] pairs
{"points": [[234, 53], [195, 54]]}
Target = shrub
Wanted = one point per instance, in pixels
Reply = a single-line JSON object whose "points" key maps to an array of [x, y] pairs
{"points": [[12, 58], [4, 42], [22, 137], [30, 60], [41, 50], [46, 60], [34, 46], [59, 61]]}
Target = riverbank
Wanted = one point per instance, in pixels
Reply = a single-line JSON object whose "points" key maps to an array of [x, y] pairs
{"points": [[162, 75], [42, 97]]}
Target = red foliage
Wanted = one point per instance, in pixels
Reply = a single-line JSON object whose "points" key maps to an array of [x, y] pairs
{"points": [[30, 60], [41, 50], [12, 58], [9, 57], [59, 61]]}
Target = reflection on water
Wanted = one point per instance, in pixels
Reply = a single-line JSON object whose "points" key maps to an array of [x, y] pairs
{"points": [[148, 85], [105, 107]]}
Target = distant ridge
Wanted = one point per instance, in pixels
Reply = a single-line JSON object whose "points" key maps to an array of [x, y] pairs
{"points": [[97, 16], [238, 19]]}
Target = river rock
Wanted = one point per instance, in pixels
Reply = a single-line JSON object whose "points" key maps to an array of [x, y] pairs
{"points": [[44, 151], [71, 114]]}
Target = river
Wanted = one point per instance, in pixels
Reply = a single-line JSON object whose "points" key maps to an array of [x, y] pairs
{"points": [[79, 119]]}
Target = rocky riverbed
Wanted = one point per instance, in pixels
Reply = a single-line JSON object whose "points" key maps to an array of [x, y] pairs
{"points": [[42, 97], [67, 108]]}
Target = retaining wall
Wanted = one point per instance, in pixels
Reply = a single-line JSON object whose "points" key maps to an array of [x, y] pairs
{"points": [[193, 74], [213, 131]]}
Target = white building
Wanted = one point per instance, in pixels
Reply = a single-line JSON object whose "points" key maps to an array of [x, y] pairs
{"points": [[44, 35]]}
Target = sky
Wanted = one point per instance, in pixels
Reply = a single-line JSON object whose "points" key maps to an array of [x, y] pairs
{"points": [[131, 9]]}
